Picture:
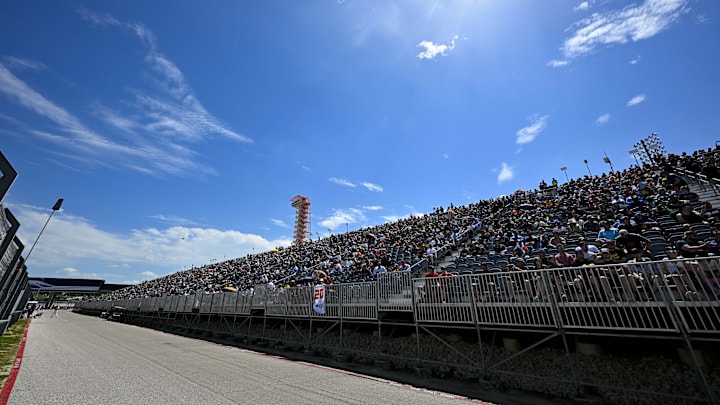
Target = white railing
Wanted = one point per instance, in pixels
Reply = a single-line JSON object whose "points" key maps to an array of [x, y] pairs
{"points": [[649, 296]]}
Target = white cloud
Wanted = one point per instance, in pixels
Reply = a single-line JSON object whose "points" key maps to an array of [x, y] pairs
{"points": [[341, 217], [432, 49], [603, 119], [72, 244], [372, 187], [70, 272], [445, 156], [372, 207], [280, 223], [633, 23], [582, 6], [635, 61], [530, 132], [557, 63], [636, 100], [148, 275], [506, 173], [412, 212], [342, 182]]}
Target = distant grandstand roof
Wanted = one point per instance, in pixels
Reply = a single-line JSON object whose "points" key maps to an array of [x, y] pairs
{"points": [[72, 285]]}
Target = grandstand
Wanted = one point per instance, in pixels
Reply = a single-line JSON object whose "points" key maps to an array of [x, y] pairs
{"points": [[630, 254], [14, 287]]}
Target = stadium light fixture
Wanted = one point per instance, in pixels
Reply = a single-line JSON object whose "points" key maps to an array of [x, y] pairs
{"points": [[564, 169], [588, 167], [606, 159], [634, 153], [55, 207]]}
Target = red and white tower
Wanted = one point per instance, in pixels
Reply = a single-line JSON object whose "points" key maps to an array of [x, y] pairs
{"points": [[302, 218]]}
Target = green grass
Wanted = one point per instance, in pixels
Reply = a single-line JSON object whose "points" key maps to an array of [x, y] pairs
{"points": [[9, 346]]}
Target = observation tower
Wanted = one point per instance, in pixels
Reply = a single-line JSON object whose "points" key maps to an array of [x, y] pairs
{"points": [[302, 218]]}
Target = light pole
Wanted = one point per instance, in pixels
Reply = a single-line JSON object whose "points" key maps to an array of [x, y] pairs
{"points": [[55, 207], [634, 153], [564, 169], [606, 159], [588, 167], [650, 149]]}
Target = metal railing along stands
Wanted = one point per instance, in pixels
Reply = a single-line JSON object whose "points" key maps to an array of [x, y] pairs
{"points": [[661, 296]]}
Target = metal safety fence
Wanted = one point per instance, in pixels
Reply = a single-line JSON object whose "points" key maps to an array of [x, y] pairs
{"points": [[680, 296]]}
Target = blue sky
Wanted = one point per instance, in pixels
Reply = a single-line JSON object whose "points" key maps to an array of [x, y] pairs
{"points": [[178, 131]]}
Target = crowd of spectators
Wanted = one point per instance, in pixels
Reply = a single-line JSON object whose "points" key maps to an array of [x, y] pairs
{"points": [[644, 212]]}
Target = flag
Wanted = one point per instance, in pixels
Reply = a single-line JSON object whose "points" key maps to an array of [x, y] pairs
{"points": [[319, 299]]}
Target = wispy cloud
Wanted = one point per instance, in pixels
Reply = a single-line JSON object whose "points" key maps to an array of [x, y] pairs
{"points": [[372, 207], [106, 20], [505, 173], [530, 132], [280, 223], [636, 100], [635, 60], [152, 137], [633, 23], [373, 187], [584, 6], [173, 219], [432, 49], [557, 63], [603, 119], [22, 63], [342, 182]]}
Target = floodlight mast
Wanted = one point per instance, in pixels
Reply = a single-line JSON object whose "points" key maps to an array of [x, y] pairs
{"points": [[55, 207]]}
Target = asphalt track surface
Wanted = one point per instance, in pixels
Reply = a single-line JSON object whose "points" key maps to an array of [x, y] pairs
{"points": [[78, 359]]}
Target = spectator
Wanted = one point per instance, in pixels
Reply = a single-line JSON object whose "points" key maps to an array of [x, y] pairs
{"points": [[563, 258], [686, 215], [629, 241], [379, 268], [607, 232], [690, 246], [617, 255]]}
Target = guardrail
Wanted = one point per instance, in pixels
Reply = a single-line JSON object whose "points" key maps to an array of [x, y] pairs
{"points": [[665, 297]]}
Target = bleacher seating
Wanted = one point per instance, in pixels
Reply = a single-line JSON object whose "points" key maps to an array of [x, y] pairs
{"points": [[485, 232]]}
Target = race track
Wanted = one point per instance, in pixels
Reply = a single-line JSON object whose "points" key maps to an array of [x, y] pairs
{"points": [[78, 359]]}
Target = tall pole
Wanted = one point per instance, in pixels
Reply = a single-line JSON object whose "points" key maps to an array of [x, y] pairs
{"points": [[564, 169], [607, 160], [588, 167], [55, 207], [634, 153]]}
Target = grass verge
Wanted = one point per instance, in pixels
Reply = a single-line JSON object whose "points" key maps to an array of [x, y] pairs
{"points": [[9, 346]]}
